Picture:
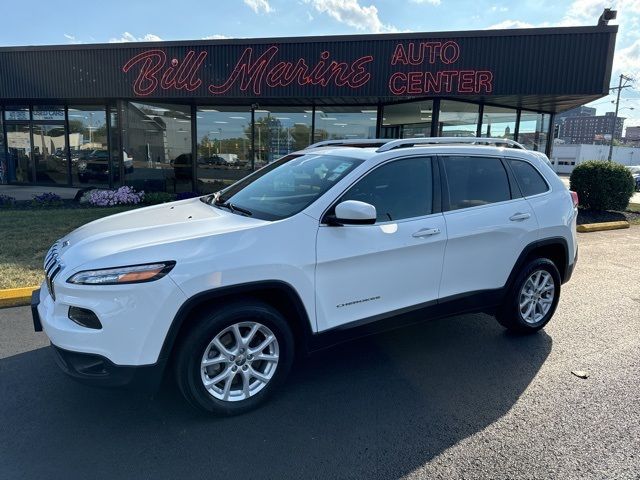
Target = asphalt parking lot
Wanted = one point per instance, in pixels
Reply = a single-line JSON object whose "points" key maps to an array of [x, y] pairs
{"points": [[453, 398]]}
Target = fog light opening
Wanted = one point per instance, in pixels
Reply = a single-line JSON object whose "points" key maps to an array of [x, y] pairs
{"points": [[84, 317]]}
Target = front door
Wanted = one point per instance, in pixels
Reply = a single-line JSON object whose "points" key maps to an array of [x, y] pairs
{"points": [[367, 270]]}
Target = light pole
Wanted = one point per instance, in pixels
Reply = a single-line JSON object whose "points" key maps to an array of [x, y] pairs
{"points": [[615, 116]]}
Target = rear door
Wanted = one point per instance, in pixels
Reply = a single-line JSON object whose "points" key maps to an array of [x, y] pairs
{"points": [[488, 224], [364, 271]]}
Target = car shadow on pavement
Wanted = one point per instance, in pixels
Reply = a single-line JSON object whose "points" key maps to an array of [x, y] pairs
{"points": [[379, 407]]}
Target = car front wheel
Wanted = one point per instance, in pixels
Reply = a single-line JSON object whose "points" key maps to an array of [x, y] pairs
{"points": [[233, 358], [532, 299]]}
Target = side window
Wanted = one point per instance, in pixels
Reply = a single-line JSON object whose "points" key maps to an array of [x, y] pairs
{"points": [[400, 189], [528, 178], [475, 181]]}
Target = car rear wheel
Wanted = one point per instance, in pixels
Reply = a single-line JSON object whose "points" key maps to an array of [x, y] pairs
{"points": [[233, 358], [533, 297]]}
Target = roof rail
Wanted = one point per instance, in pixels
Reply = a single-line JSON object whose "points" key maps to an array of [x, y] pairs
{"points": [[354, 142], [412, 142]]}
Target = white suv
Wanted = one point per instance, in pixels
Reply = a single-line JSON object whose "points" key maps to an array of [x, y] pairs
{"points": [[322, 245]]}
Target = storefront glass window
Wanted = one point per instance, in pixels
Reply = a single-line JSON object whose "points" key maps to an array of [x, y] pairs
{"points": [[344, 123], [281, 130], [14, 113], [19, 153], [156, 147], [49, 155], [498, 122], [457, 119], [4, 174], [47, 112], [407, 120], [224, 147], [534, 130], [88, 145], [115, 146]]}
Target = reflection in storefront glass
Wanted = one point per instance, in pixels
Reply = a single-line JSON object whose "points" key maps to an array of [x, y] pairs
{"points": [[498, 122], [49, 156], [156, 147], [88, 146], [534, 130], [19, 153], [407, 120], [281, 130], [344, 123], [16, 113], [224, 147], [48, 112], [457, 119], [4, 174]]}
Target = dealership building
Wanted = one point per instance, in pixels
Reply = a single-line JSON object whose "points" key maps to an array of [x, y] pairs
{"points": [[198, 115]]}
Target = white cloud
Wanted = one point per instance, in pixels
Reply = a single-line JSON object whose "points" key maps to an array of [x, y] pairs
{"points": [[215, 36], [511, 24], [351, 13], [259, 6], [71, 38], [432, 2], [627, 61], [128, 37]]}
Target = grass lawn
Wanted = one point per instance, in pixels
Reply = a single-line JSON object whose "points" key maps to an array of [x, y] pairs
{"points": [[28, 234]]}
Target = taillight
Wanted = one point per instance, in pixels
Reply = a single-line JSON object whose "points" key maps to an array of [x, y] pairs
{"points": [[574, 197]]}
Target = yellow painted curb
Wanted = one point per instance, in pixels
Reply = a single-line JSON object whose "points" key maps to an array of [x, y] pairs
{"points": [[598, 227], [14, 297]]}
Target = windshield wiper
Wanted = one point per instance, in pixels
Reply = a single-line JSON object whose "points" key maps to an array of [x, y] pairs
{"points": [[234, 208]]}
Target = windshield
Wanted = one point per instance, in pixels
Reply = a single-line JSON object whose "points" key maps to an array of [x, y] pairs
{"points": [[285, 187]]}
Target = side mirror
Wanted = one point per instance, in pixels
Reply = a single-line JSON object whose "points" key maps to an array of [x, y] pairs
{"points": [[353, 212]]}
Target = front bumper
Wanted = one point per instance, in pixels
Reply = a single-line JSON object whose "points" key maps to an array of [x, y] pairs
{"points": [[97, 370], [135, 319]]}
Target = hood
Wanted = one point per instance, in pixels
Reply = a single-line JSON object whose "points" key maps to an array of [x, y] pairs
{"points": [[142, 227]]}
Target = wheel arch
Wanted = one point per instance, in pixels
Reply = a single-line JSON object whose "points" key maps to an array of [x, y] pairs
{"points": [[276, 293], [555, 249]]}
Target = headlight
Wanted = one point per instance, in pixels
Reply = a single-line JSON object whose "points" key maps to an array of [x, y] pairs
{"points": [[122, 275]]}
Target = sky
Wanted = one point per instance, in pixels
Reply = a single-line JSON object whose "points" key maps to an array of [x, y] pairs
{"points": [[41, 22]]}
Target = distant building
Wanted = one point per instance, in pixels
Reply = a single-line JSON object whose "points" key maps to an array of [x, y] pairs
{"points": [[632, 134], [565, 157], [591, 130]]}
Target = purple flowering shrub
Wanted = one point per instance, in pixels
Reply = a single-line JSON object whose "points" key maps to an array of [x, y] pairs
{"points": [[47, 199], [108, 198], [6, 201]]}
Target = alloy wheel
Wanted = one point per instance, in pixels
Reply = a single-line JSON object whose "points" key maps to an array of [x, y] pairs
{"points": [[239, 361], [536, 296]]}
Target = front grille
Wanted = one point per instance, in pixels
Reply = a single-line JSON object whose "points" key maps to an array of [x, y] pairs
{"points": [[52, 267]]}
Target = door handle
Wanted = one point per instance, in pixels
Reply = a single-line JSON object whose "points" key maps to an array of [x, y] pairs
{"points": [[517, 217], [426, 232]]}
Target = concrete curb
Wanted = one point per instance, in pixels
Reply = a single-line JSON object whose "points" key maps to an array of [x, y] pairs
{"points": [[599, 227], [15, 297]]}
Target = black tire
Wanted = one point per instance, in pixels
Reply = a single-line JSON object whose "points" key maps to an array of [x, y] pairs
{"points": [[509, 314], [191, 349]]}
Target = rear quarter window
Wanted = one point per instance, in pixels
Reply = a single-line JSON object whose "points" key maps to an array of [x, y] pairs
{"points": [[528, 178]]}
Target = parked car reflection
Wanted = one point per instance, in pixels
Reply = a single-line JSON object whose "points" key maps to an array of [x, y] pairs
{"points": [[93, 166]]}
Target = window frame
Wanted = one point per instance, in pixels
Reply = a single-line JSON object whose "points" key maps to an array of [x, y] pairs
{"points": [[514, 189], [436, 193], [507, 159]]}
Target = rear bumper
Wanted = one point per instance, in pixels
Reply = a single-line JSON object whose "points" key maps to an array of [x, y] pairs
{"points": [[96, 370], [570, 268]]}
